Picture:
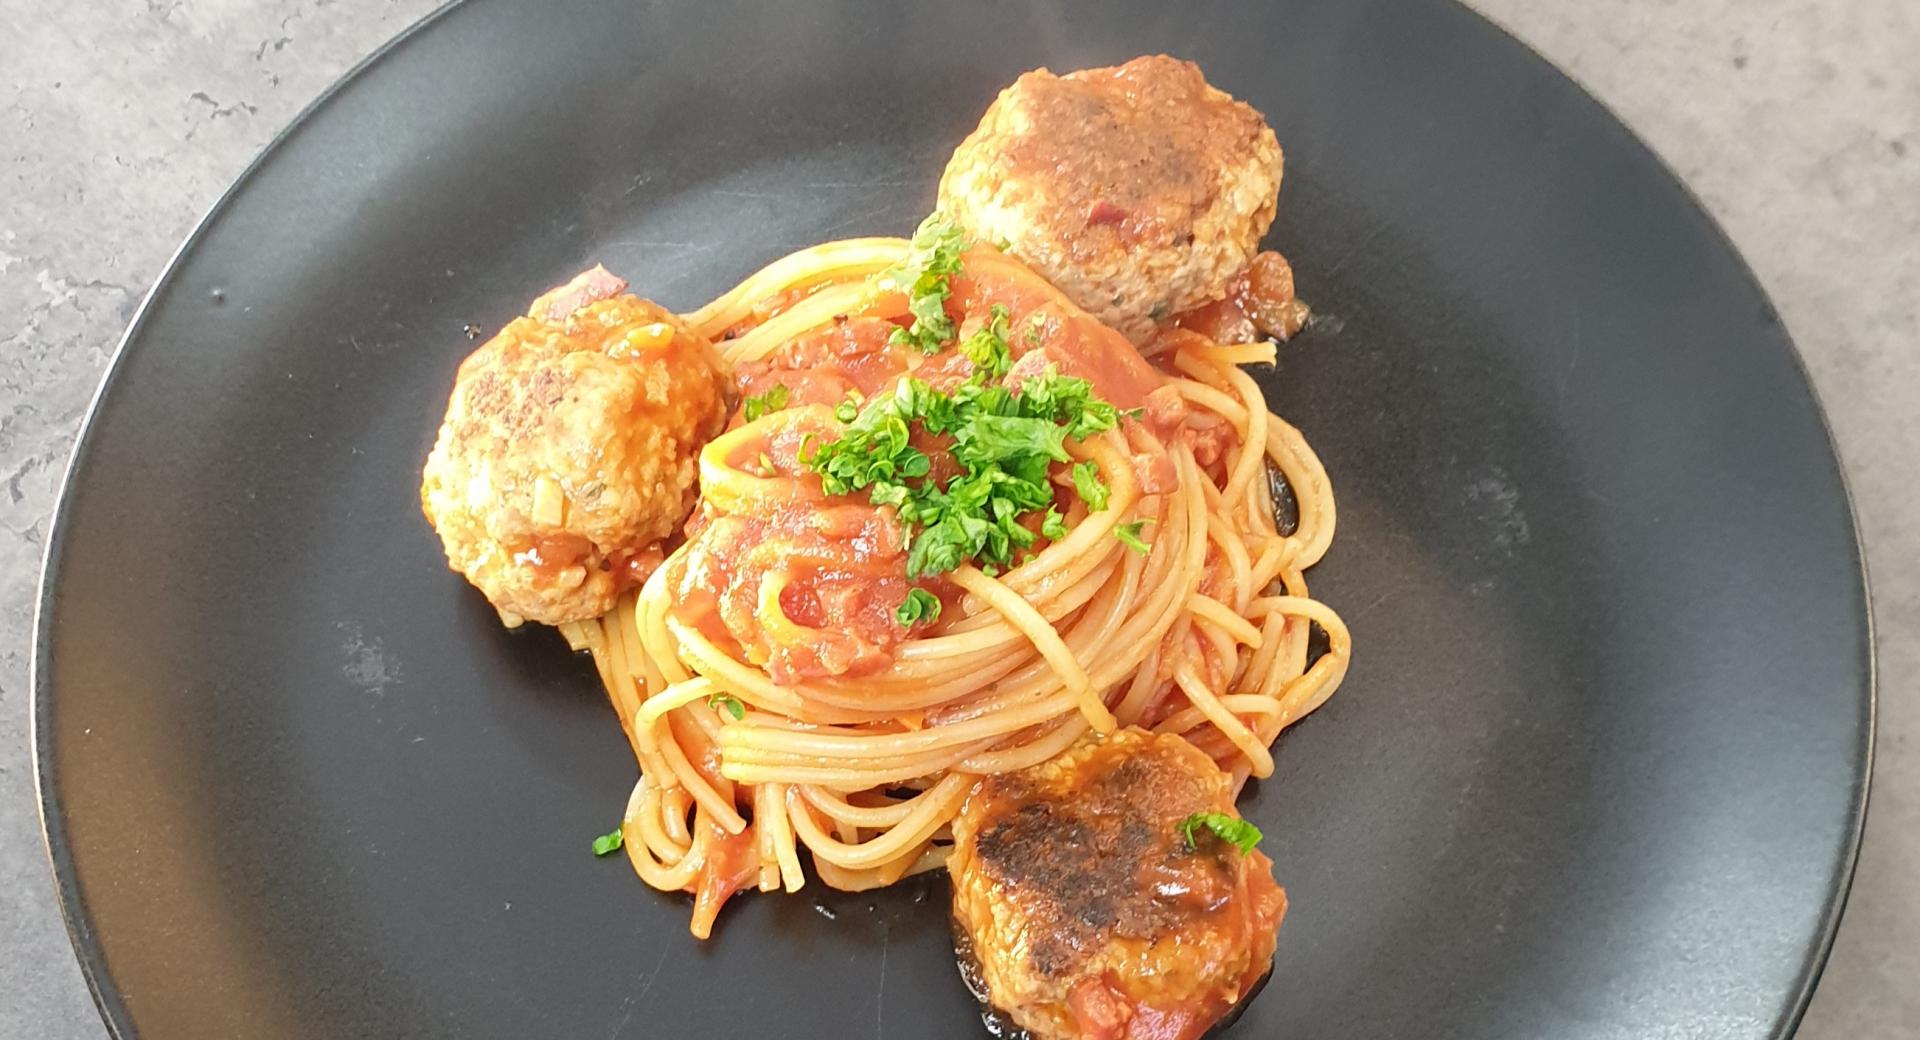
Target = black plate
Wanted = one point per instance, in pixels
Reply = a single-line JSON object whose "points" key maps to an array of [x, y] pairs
{"points": [[1600, 766]]}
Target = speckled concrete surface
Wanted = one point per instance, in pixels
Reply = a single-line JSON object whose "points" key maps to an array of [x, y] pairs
{"points": [[1797, 121]]}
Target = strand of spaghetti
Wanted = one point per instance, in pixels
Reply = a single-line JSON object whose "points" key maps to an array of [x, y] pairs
{"points": [[969, 642], [644, 731], [1294, 661], [1190, 718], [675, 806], [1274, 555], [1308, 478], [748, 742], [838, 808], [817, 703], [662, 664], [1300, 609], [928, 816], [1200, 368], [698, 688], [833, 779], [642, 807], [1332, 666], [1060, 591], [848, 258], [1250, 745], [1219, 653], [1066, 730], [575, 633], [940, 682], [1218, 402], [865, 296], [931, 858], [1095, 636], [728, 488], [622, 692], [1250, 452], [1304, 695], [1266, 659], [746, 682], [792, 876], [633, 651], [717, 806], [1233, 549], [1140, 690], [1219, 614], [1045, 639], [763, 839], [618, 667], [1261, 353], [780, 863], [912, 861], [1172, 575], [1258, 502], [844, 775], [908, 833]]}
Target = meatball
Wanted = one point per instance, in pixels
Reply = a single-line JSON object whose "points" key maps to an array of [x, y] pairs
{"points": [[569, 450], [1080, 910], [1139, 190]]}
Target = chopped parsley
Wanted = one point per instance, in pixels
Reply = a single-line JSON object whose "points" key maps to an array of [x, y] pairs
{"points": [[728, 703], [924, 274], [1087, 482], [1005, 440], [608, 843], [1228, 828], [761, 404], [987, 347], [1129, 535], [920, 605]]}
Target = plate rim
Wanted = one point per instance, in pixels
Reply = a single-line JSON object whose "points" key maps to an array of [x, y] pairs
{"points": [[91, 955]]}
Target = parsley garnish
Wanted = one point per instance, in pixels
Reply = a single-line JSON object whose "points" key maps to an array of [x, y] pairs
{"points": [[1129, 535], [1092, 490], [1005, 441], [919, 605], [923, 274], [987, 347], [1226, 827], [730, 704], [760, 404], [608, 843]]}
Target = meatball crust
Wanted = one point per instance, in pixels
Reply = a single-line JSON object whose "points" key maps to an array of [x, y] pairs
{"points": [[569, 450], [1139, 190], [1080, 911]]}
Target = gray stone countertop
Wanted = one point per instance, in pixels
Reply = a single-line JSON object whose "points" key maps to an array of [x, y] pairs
{"points": [[1797, 122]]}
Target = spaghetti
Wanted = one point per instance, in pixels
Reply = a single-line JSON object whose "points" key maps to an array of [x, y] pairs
{"points": [[1204, 634]]}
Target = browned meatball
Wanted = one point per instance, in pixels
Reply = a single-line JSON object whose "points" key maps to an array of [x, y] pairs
{"points": [[569, 450], [1080, 910], [1139, 190]]}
